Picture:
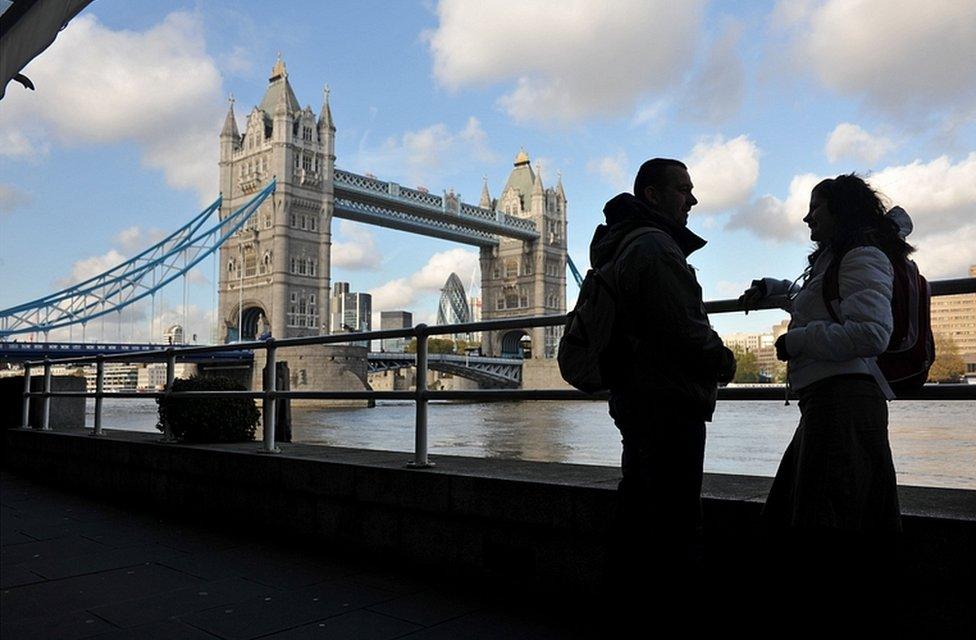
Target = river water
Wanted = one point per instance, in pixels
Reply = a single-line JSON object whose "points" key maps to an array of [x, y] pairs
{"points": [[934, 443]]}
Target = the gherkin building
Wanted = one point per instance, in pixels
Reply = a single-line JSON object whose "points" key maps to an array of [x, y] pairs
{"points": [[453, 307]]}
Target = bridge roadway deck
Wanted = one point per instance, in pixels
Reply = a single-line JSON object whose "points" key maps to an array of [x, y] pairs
{"points": [[75, 567]]}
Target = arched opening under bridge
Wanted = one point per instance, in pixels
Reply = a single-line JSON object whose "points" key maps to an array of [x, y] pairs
{"points": [[516, 344], [254, 323]]}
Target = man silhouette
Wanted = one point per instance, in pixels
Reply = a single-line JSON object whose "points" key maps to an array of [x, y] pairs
{"points": [[667, 362]]}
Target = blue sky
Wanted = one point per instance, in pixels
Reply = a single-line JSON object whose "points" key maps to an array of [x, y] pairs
{"points": [[761, 99]]}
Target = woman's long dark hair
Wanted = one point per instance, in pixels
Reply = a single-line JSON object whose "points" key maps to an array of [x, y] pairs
{"points": [[859, 219]]}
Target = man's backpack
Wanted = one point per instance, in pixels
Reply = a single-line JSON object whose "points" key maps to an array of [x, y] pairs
{"points": [[584, 348], [911, 350]]}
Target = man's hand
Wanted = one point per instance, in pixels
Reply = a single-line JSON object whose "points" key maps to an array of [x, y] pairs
{"points": [[751, 296], [726, 368], [781, 352]]}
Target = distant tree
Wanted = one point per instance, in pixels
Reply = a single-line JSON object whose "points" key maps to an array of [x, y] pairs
{"points": [[779, 373], [746, 366], [948, 365], [434, 345]]}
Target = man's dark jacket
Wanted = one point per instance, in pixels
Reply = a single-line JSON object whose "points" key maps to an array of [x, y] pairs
{"points": [[667, 359]]}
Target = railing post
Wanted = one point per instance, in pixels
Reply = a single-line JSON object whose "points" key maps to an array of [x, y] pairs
{"points": [[25, 417], [99, 388], [46, 405], [170, 378], [420, 460], [270, 380]]}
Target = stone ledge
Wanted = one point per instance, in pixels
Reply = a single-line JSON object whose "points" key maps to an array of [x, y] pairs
{"points": [[543, 522], [926, 502]]}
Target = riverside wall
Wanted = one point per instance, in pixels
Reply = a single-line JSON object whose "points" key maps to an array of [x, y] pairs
{"points": [[545, 525]]}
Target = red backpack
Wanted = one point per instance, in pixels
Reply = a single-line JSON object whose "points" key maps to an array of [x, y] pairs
{"points": [[911, 350]]}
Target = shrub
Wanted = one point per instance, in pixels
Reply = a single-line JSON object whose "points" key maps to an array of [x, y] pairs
{"points": [[208, 419]]}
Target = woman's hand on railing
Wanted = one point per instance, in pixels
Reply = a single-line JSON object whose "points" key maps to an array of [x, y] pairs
{"points": [[750, 297]]}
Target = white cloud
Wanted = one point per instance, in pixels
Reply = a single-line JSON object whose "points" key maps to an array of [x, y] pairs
{"points": [[940, 195], [789, 13], [569, 59], [359, 251], [14, 143], [90, 267], [941, 198], [133, 239], [946, 255], [613, 170], [774, 219], [12, 198], [402, 293], [651, 116], [724, 171], [239, 61], [429, 154], [157, 88], [900, 56], [851, 142], [716, 91], [941, 192]]}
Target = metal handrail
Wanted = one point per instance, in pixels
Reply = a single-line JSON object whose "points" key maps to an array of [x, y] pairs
{"points": [[420, 395]]}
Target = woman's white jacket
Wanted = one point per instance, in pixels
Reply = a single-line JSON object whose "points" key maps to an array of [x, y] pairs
{"points": [[818, 346]]}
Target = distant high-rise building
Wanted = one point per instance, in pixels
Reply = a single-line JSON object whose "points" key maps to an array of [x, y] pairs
{"points": [[955, 317], [351, 311], [761, 344], [453, 305], [395, 320]]}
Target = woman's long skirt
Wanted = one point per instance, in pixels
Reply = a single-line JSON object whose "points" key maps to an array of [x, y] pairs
{"points": [[837, 473]]}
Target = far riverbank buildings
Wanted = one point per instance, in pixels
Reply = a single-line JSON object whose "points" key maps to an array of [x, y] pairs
{"points": [[955, 317]]}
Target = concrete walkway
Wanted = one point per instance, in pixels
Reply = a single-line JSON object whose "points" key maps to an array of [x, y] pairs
{"points": [[73, 567]]}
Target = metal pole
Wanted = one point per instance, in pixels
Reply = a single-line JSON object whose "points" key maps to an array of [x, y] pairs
{"points": [[46, 406], [420, 460], [25, 418], [240, 292], [170, 377], [99, 388], [270, 379]]}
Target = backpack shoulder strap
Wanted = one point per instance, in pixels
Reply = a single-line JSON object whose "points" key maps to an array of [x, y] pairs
{"points": [[605, 273], [627, 241], [831, 287]]}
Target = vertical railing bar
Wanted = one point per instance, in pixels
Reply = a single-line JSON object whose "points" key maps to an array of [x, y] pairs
{"points": [[170, 379], [46, 404], [99, 389], [270, 402], [25, 417], [420, 460]]}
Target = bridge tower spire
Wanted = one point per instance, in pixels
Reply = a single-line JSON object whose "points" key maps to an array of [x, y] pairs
{"points": [[274, 274], [526, 278]]}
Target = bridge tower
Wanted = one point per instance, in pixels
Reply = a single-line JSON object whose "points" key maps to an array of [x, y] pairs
{"points": [[525, 278], [274, 274]]}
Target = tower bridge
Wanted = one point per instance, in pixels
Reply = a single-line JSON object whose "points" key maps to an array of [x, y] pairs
{"points": [[280, 191], [276, 274]]}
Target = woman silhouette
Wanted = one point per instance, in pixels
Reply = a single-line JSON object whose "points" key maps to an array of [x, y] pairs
{"points": [[834, 498]]}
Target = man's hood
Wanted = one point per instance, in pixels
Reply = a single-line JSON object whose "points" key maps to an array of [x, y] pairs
{"points": [[624, 213]]}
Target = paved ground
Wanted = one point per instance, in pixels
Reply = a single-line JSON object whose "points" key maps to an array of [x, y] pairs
{"points": [[72, 567]]}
